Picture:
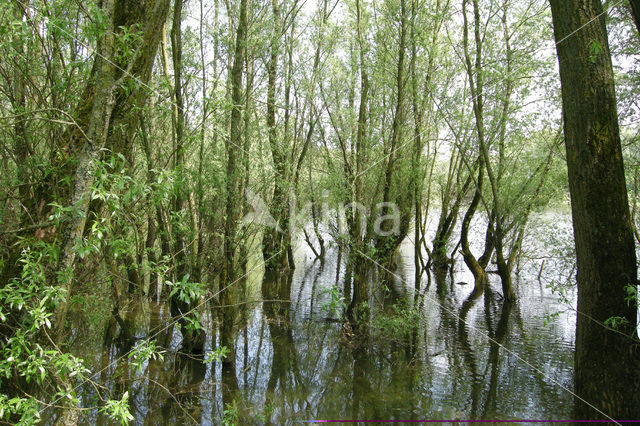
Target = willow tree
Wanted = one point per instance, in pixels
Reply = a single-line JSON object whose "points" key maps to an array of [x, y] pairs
{"points": [[233, 147], [514, 184], [607, 362], [288, 143], [398, 178], [272, 242], [357, 308], [100, 111], [476, 84]]}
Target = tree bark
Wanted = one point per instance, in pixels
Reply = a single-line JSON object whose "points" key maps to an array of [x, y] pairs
{"points": [[477, 267], [607, 371], [387, 245], [233, 144], [98, 112], [276, 241], [148, 17], [635, 12], [99, 119], [192, 340]]}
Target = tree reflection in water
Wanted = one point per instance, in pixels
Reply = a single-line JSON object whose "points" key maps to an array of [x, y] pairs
{"points": [[290, 361]]}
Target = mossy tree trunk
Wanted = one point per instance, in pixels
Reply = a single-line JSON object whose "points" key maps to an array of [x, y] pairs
{"points": [[99, 114], [96, 136], [607, 362]]}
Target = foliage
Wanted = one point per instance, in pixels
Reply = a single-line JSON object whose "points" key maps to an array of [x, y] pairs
{"points": [[230, 415], [397, 322], [616, 322], [631, 296], [217, 355], [118, 410], [372, 104], [28, 302], [265, 414], [189, 293], [144, 352], [336, 304]]}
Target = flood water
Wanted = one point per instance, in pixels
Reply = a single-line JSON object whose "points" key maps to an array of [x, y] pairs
{"points": [[440, 354]]}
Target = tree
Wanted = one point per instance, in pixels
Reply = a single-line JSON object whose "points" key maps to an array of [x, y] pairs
{"points": [[276, 242], [110, 97], [233, 145], [477, 266], [607, 373], [635, 12]]}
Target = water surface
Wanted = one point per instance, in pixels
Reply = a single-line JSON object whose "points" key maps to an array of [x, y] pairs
{"points": [[441, 353]]}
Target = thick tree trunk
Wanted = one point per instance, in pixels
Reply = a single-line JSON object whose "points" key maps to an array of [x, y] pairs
{"points": [[358, 311], [607, 370], [98, 113], [147, 17]]}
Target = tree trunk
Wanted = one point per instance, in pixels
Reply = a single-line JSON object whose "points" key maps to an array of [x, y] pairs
{"points": [[386, 245], [447, 221], [635, 12], [474, 74], [479, 274], [100, 111], [607, 370], [192, 340], [147, 17], [504, 271], [233, 144], [97, 135], [276, 241]]}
